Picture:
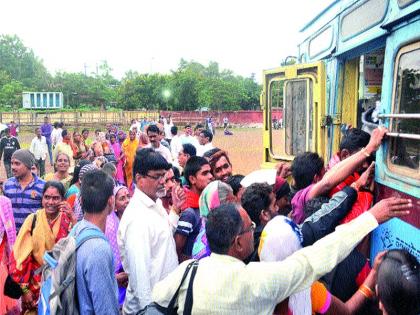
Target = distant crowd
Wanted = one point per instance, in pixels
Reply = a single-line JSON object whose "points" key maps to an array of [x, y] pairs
{"points": [[153, 220]]}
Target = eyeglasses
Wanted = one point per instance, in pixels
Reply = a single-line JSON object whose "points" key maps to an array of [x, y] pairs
{"points": [[158, 177], [251, 228], [224, 166]]}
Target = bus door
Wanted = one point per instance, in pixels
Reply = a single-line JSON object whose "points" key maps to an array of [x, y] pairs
{"points": [[293, 101]]}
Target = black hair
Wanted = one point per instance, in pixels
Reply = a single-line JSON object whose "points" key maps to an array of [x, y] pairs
{"points": [[84, 130], [223, 224], [57, 185], [304, 168], [235, 182], [109, 168], [187, 126], [97, 130], [354, 140], [61, 153], [207, 134], [76, 171], [198, 126], [189, 149], [64, 133], [56, 124], [208, 154], [96, 189], [255, 199], [194, 165], [153, 128], [60, 124], [149, 160], [177, 174], [399, 283], [314, 204], [174, 130], [283, 190]]}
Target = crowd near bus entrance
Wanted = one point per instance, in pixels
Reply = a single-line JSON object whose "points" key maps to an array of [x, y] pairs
{"points": [[158, 215]]}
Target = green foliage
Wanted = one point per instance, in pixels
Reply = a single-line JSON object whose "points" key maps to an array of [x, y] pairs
{"points": [[191, 86], [11, 94], [21, 64]]}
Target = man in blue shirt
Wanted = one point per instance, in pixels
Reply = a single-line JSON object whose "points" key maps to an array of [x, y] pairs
{"points": [[46, 130], [97, 289], [24, 189], [198, 175]]}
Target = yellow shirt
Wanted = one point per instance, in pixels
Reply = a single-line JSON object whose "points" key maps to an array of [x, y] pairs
{"points": [[225, 285]]}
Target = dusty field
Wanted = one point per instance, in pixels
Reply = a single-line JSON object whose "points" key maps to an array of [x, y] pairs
{"points": [[244, 148]]}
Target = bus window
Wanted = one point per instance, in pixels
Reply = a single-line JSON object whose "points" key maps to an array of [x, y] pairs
{"points": [[370, 88], [276, 111], [404, 149], [298, 116]]}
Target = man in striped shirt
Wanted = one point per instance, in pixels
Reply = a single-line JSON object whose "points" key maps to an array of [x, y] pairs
{"points": [[24, 189]]}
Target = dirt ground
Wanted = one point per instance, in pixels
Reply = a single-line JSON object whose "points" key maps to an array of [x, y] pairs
{"points": [[244, 148]]}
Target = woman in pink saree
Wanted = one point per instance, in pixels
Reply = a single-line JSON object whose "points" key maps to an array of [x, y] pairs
{"points": [[7, 239], [119, 157]]}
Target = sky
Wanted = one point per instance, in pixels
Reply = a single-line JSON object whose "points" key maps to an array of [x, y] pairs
{"points": [[152, 36]]}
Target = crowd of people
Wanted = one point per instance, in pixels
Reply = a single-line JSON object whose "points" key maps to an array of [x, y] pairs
{"points": [[171, 228]]}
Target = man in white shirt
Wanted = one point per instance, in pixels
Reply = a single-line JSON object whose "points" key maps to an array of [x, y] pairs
{"points": [[176, 144], [56, 136], [167, 125], [145, 233], [154, 135], [188, 137], [39, 149], [225, 285], [205, 139]]}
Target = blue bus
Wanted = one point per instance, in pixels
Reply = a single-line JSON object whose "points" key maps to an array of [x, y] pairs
{"points": [[358, 65]]}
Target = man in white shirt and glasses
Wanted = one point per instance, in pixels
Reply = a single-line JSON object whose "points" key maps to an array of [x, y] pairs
{"points": [[145, 233], [225, 285]]}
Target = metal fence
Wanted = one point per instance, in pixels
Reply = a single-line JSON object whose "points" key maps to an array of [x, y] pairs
{"points": [[76, 118]]}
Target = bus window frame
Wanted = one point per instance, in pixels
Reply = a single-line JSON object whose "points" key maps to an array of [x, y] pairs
{"points": [[369, 27], [396, 171], [306, 77]]}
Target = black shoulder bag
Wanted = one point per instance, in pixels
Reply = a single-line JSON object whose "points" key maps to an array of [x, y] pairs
{"points": [[172, 309]]}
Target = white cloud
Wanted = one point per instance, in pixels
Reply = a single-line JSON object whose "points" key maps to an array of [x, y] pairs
{"points": [[244, 36]]}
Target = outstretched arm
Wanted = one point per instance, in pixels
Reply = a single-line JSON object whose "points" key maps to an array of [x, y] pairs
{"points": [[348, 166]]}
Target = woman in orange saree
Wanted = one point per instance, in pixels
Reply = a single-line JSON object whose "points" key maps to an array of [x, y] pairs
{"points": [[38, 234], [129, 148]]}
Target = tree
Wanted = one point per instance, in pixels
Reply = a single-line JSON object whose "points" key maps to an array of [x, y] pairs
{"points": [[191, 86], [21, 64], [11, 94], [143, 91]]}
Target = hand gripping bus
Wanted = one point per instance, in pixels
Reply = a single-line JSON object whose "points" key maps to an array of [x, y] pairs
{"points": [[358, 65]]}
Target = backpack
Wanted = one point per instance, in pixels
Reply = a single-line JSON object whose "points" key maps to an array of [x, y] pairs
{"points": [[58, 290]]}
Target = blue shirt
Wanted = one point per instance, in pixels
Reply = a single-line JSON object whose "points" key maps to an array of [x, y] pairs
{"points": [[189, 225], [97, 289], [24, 201], [46, 130]]}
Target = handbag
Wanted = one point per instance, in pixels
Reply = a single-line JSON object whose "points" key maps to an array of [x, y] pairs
{"points": [[172, 309], [12, 289]]}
